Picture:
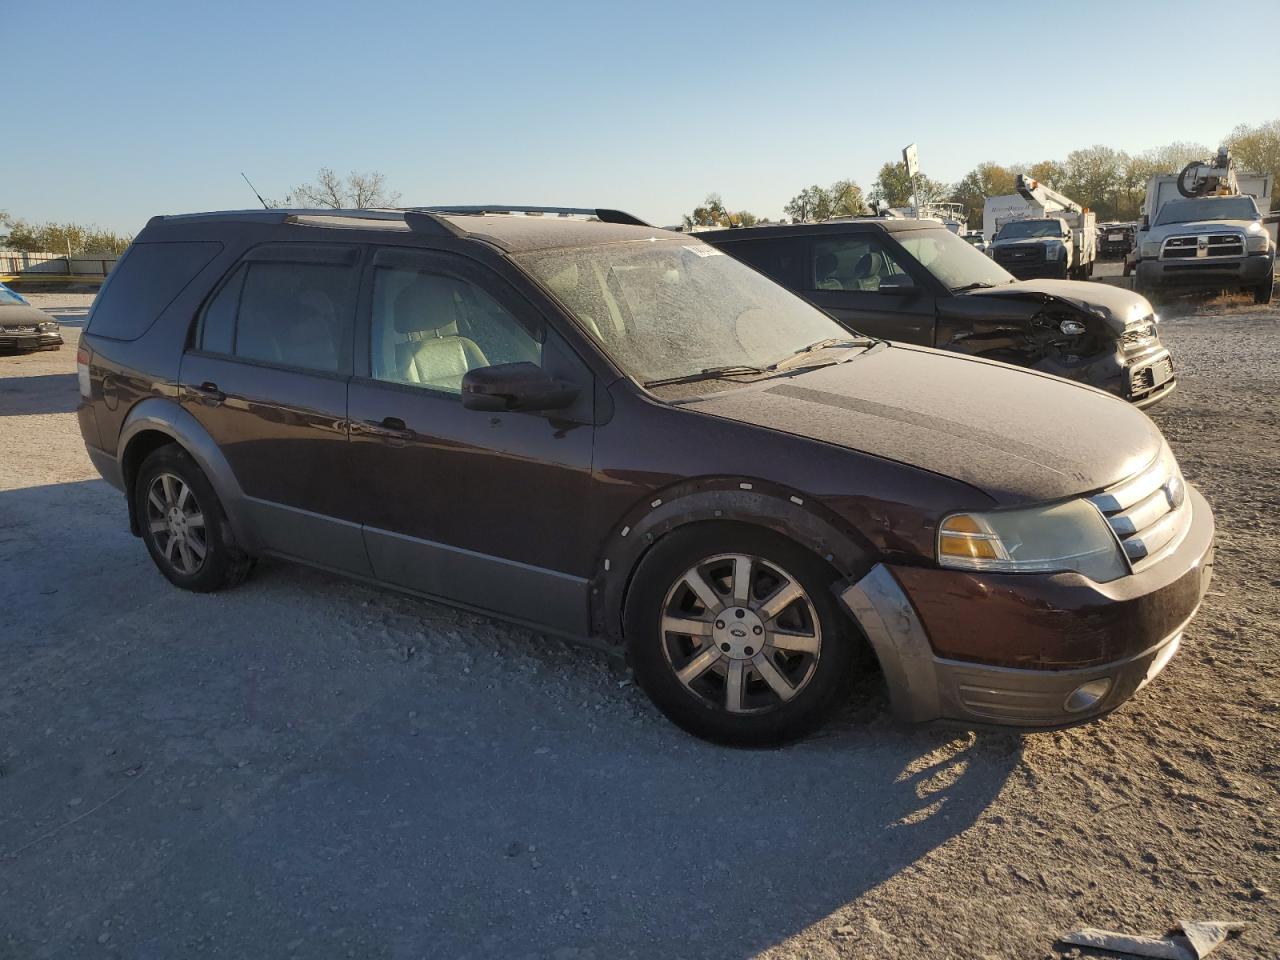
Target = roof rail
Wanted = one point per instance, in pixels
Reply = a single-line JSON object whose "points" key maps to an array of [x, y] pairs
{"points": [[603, 214]]}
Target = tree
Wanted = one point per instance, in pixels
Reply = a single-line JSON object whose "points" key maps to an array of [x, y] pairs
{"points": [[1093, 177], [846, 199], [712, 213], [65, 238], [893, 187], [1257, 150], [984, 180], [357, 191], [812, 203]]}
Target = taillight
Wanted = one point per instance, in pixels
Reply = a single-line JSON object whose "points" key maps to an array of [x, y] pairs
{"points": [[82, 370]]}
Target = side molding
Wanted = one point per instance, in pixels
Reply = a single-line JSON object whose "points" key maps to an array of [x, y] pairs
{"points": [[888, 620], [166, 416]]}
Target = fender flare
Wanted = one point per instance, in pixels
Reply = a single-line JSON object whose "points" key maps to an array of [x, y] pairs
{"points": [[166, 415], [742, 499]]}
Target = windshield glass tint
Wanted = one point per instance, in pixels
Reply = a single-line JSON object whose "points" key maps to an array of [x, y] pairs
{"points": [[1208, 208], [1030, 228], [954, 262], [668, 308]]}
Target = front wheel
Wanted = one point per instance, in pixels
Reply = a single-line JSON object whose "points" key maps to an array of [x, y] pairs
{"points": [[1263, 291], [183, 524], [735, 634]]}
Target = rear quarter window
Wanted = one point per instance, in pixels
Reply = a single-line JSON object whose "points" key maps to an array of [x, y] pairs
{"points": [[143, 283]]}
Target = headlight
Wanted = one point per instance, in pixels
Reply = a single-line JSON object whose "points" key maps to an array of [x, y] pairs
{"points": [[1150, 249], [1062, 537], [1054, 251], [47, 327], [1257, 243]]}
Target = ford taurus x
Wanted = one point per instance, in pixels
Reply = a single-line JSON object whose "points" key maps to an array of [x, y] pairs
{"points": [[608, 431]]}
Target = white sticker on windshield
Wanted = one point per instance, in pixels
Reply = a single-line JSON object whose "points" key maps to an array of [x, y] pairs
{"points": [[704, 250]]}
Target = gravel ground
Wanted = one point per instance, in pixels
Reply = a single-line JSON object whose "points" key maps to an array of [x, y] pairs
{"points": [[306, 766]]}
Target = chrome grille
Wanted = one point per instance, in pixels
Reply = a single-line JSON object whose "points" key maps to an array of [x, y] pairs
{"points": [[1204, 245], [1149, 512]]}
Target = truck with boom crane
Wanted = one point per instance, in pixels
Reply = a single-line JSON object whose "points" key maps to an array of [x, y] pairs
{"points": [[1053, 236]]}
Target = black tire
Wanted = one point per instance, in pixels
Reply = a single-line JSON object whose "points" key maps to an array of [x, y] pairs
{"points": [[823, 679], [223, 563], [1262, 293]]}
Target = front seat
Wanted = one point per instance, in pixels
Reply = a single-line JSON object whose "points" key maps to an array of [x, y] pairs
{"points": [[866, 275], [826, 265], [433, 353]]}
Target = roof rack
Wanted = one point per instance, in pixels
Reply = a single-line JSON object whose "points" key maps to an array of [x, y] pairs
{"points": [[603, 214]]}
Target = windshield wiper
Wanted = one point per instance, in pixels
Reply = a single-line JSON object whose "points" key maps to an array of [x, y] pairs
{"points": [[822, 345], [709, 373], [976, 285]]}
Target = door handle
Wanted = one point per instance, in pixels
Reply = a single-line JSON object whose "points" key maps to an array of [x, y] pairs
{"points": [[208, 392], [390, 428]]}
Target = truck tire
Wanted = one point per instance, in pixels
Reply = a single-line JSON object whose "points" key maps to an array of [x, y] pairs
{"points": [[1263, 291]]}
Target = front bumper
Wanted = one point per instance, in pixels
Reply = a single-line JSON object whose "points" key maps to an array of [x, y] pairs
{"points": [[1011, 649], [1206, 272], [29, 340], [1036, 270]]}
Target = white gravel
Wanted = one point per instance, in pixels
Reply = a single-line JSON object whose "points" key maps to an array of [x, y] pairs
{"points": [[308, 766]]}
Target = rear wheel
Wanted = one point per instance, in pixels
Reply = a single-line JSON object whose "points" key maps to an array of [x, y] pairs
{"points": [[183, 524], [736, 636]]}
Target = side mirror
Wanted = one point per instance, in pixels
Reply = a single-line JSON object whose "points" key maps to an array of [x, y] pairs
{"points": [[896, 283], [515, 386], [1146, 222], [1272, 217]]}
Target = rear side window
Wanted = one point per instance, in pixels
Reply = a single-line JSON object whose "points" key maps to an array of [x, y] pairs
{"points": [[290, 314], [144, 282], [781, 260]]}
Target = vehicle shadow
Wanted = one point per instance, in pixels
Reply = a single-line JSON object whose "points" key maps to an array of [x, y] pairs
{"points": [[330, 763], [42, 393]]}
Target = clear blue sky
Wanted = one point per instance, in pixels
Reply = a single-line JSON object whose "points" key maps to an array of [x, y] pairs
{"points": [[117, 111]]}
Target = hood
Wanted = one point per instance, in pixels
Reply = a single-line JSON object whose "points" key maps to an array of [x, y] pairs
{"points": [[1117, 307], [1018, 436], [21, 314], [1197, 227]]}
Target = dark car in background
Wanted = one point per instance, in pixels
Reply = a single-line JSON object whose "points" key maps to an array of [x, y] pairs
{"points": [[1116, 239], [24, 327], [617, 433], [914, 281]]}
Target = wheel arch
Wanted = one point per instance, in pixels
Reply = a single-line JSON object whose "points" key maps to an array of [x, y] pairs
{"points": [[160, 421], [752, 502]]}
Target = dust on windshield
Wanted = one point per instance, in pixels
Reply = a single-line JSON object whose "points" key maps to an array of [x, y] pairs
{"points": [[673, 308], [959, 265], [1028, 229], [1207, 208]]}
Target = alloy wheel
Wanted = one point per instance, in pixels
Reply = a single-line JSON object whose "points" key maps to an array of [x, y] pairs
{"points": [[740, 633], [176, 523]]}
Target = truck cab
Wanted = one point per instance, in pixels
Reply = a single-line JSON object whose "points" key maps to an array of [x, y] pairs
{"points": [[1034, 248]]}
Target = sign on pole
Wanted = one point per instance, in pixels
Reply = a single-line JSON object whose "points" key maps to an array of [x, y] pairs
{"points": [[911, 157]]}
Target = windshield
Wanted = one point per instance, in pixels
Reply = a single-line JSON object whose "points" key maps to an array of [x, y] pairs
{"points": [[8, 296], [1020, 229], [957, 264], [1207, 208], [671, 308]]}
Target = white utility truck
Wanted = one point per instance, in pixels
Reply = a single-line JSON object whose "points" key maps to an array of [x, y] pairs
{"points": [[1207, 228], [1056, 238]]}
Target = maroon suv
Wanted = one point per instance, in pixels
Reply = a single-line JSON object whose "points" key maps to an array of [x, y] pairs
{"points": [[576, 421]]}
